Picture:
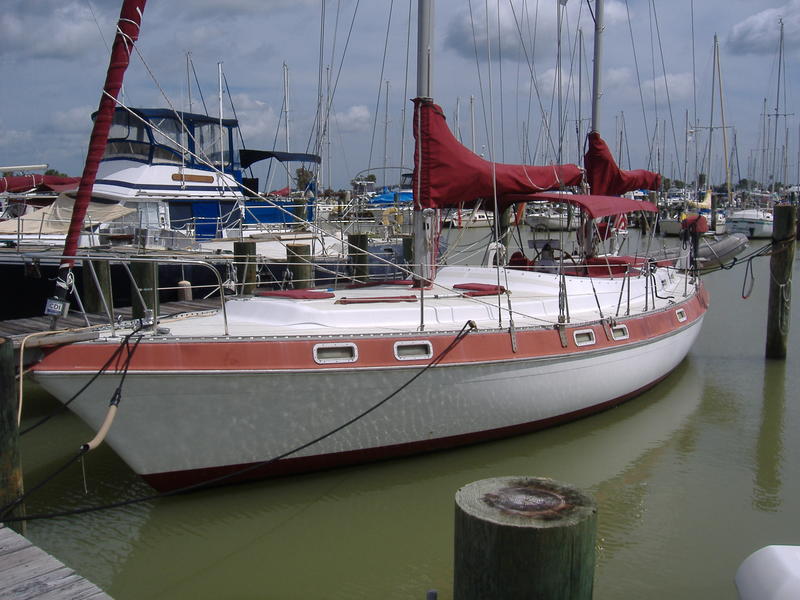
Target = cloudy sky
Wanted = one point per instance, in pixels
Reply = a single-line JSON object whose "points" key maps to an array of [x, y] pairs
{"points": [[657, 72]]}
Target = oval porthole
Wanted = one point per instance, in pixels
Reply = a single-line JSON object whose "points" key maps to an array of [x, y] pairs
{"points": [[620, 332], [417, 350], [681, 314], [584, 337], [325, 354]]}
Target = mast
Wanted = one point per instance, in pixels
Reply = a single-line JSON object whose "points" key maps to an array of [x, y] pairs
{"points": [[422, 252], [598, 52], [130, 19]]}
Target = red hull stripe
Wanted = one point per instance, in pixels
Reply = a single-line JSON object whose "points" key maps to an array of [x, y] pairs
{"points": [[252, 354], [175, 480]]}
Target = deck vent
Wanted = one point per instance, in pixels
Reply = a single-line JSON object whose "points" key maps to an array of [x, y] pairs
{"points": [[584, 337], [620, 332], [681, 314], [413, 350], [325, 354]]}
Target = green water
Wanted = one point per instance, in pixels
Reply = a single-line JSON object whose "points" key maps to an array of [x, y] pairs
{"points": [[690, 478]]}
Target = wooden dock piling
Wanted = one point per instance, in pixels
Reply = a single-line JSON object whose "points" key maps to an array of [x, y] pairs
{"points": [[10, 465], [523, 537], [246, 267], [146, 276], [299, 258], [784, 228], [357, 250]]}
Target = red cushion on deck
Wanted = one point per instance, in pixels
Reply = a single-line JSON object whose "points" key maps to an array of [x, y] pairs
{"points": [[295, 294]]}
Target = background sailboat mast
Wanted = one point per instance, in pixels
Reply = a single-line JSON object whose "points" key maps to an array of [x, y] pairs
{"points": [[598, 51]]}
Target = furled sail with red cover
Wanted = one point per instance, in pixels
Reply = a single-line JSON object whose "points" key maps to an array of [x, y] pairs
{"points": [[606, 178], [447, 174]]}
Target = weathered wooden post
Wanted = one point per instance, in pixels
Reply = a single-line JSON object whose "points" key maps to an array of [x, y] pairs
{"points": [[357, 249], [95, 290], [10, 466], [244, 254], [145, 274], [523, 537], [299, 258], [784, 227]]}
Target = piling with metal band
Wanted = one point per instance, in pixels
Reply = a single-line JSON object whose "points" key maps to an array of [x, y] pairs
{"points": [[145, 274], [298, 256], [523, 537], [358, 243], [97, 286], [10, 466], [784, 226], [246, 267]]}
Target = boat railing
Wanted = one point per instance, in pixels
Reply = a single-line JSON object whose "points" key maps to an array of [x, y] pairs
{"points": [[96, 296]]}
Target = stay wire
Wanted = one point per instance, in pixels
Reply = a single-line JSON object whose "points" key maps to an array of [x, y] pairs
{"points": [[94, 377], [466, 329]]}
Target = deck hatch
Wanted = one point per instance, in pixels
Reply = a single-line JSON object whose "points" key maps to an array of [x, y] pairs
{"points": [[325, 354], [416, 350]]}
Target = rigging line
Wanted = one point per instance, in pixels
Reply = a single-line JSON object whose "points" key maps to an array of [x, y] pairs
{"points": [[666, 84], [478, 66], [197, 82], [545, 128], [97, 23], [465, 330], [638, 78], [380, 85], [405, 90], [233, 108]]}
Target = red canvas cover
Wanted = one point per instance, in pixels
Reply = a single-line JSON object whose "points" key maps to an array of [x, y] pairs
{"points": [[447, 174], [606, 178], [594, 206], [23, 183]]}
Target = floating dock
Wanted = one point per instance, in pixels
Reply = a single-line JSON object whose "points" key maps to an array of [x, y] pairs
{"points": [[28, 573]]}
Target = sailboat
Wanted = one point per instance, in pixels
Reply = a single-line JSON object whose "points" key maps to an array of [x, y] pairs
{"points": [[288, 381]]}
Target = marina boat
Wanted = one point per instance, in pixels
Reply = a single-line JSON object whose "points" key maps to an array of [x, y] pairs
{"points": [[294, 380], [546, 217], [462, 218], [752, 222]]}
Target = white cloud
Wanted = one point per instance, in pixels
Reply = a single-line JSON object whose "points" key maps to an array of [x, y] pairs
{"points": [[355, 120], [61, 32], [760, 33]]}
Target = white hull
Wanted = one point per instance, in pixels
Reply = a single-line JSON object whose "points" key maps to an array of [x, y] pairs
{"points": [[752, 222]]}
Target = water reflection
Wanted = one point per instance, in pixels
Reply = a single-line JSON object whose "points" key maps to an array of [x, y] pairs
{"points": [[769, 444]]}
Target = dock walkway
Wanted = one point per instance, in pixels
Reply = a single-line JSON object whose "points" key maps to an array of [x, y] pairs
{"points": [[30, 573]]}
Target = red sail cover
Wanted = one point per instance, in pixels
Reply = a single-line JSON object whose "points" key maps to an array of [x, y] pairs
{"points": [[23, 183], [130, 19], [606, 178], [447, 174]]}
